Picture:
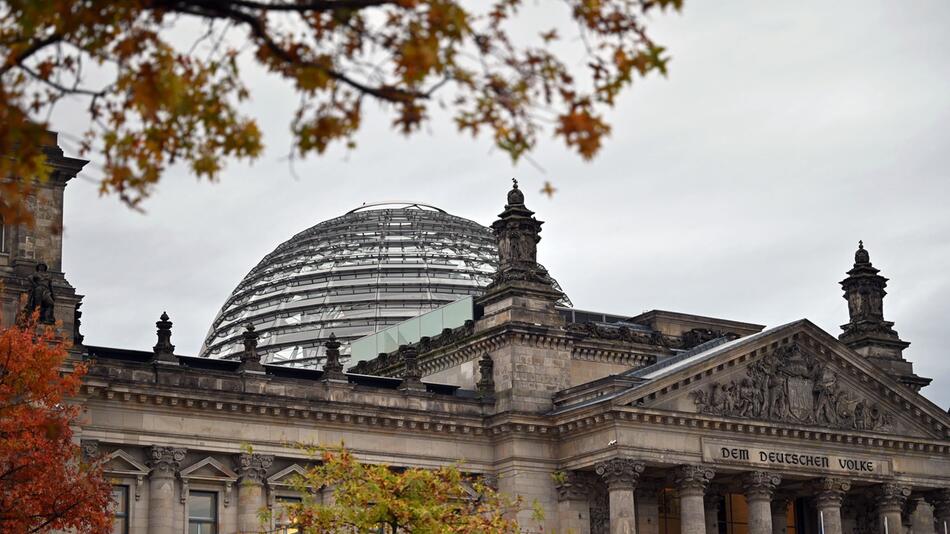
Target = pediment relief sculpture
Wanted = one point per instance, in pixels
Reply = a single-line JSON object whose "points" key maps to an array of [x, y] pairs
{"points": [[792, 386]]}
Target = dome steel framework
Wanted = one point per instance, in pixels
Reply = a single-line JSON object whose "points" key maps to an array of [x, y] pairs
{"points": [[373, 267]]}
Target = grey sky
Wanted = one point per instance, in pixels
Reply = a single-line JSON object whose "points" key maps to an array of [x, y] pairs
{"points": [[737, 187]]}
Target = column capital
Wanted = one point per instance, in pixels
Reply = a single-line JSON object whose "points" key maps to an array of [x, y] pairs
{"points": [[252, 467], [692, 479], [891, 497], [620, 473], [829, 492], [760, 484], [165, 461], [572, 486]]}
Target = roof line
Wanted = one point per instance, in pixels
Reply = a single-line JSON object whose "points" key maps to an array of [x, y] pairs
{"points": [[400, 203]]}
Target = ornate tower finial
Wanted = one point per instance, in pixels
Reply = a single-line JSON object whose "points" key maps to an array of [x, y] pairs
{"points": [[164, 350], [867, 332], [333, 369], [250, 359], [861, 256]]}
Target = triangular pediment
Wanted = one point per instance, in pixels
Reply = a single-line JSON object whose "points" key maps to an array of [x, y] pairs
{"points": [[285, 476], [119, 462], [795, 374], [209, 469]]}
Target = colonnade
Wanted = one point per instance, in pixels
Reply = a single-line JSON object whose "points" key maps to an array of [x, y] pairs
{"points": [[165, 463], [767, 501]]}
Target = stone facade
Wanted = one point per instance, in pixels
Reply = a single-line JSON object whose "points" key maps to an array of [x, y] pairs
{"points": [[665, 423]]}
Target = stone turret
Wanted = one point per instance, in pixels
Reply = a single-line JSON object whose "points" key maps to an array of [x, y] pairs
{"points": [[520, 304], [31, 256], [522, 289], [867, 333]]}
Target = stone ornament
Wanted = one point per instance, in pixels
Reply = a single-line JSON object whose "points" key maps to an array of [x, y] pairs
{"points": [[829, 492], [250, 359], [692, 479], [90, 449], [40, 297], [620, 473], [791, 386], [252, 467], [164, 350], [333, 368], [411, 374], [760, 484], [165, 461], [891, 496], [572, 486]]}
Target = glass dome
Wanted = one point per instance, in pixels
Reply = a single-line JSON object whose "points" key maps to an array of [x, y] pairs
{"points": [[354, 275]]}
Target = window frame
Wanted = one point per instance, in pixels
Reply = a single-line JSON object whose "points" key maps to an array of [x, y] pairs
{"points": [[125, 513], [3, 236], [215, 518]]}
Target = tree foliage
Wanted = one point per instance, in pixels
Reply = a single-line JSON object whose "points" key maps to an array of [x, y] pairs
{"points": [[161, 89], [378, 499], [44, 482]]}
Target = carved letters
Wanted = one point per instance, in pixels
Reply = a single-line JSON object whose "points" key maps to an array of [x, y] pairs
{"points": [[792, 386]]}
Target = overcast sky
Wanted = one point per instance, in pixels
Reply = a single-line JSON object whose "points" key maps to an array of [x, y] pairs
{"points": [[737, 187]]}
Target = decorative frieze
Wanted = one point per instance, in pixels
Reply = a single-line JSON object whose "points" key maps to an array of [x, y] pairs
{"points": [[760, 484], [792, 386], [620, 473], [692, 479], [164, 461]]}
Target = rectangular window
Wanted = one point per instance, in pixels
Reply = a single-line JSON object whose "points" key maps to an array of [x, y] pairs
{"points": [[120, 507], [202, 512], [3, 236]]}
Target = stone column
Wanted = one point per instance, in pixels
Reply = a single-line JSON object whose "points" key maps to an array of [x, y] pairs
{"points": [[252, 471], [691, 482], [940, 500], [713, 502], [922, 516], [759, 487], [829, 494], [779, 507], [621, 476], [164, 463], [890, 502], [573, 508]]}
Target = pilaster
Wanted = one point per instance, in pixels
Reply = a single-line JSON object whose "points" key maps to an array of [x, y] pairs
{"points": [[573, 507]]}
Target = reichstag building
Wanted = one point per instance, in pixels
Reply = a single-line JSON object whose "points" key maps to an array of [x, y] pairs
{"points": [[419, 338]]}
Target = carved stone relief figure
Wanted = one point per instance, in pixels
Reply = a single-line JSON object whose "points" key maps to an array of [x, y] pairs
{"points": [[41, 294], [792, 386]]}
